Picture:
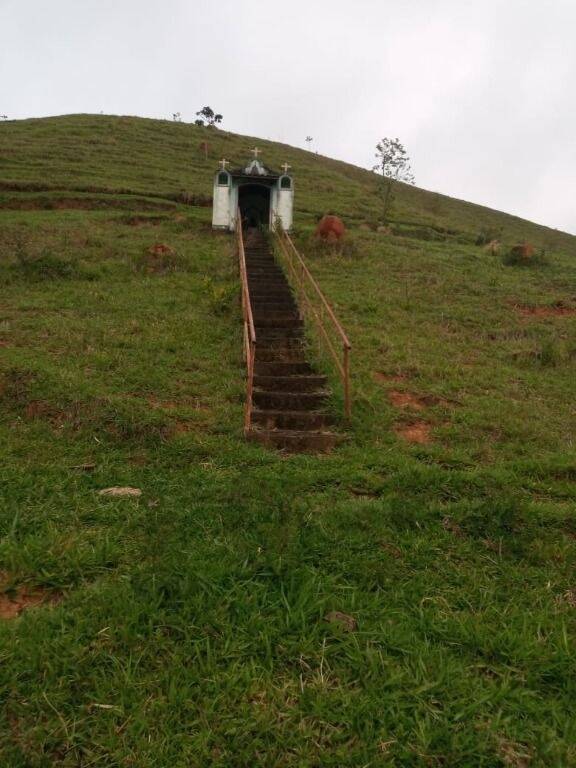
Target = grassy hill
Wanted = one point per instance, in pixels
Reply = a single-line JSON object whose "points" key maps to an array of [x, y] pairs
{"points": [[195, 625]]}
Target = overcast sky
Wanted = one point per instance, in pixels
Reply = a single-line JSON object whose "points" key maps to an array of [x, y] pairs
{"points": [[481, 92]]}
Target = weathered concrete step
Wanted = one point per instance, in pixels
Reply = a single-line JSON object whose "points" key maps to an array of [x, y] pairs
{"points": [[276, 319], [281, 368], [294, 441], [267, 295], [300, 420], [280, 354], [268, 335], [310, 382], [272, 269], [289, 401], [261, 306], [268, 282]]}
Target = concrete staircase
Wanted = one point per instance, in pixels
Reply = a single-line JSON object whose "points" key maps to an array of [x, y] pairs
{"points": [[289, 398]]}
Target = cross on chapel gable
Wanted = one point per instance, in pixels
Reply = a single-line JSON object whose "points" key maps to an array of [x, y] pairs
{"points": [[285, 167], [255, 152], [223, 164]]}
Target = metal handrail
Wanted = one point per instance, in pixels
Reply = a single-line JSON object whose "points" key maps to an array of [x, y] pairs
{"points": [[304, 281], [249, 329]]}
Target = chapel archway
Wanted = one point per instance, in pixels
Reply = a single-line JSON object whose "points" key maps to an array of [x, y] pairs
{"points": [[254, 203]]}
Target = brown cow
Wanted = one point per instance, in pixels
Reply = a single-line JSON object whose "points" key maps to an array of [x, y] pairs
{"points": [[330, 228], [522, 251]]}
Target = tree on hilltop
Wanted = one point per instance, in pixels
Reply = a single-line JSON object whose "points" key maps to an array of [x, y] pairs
{"points": [[393, 165], [207, 114]]}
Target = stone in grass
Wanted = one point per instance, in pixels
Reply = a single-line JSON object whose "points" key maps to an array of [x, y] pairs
{"points": [[119, 490], [346, 622]]}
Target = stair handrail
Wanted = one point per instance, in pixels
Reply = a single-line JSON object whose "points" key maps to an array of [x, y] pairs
{"points": [[248, 317], [303, 277]]}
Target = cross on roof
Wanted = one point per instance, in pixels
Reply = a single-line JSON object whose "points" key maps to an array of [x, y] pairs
{"points": [[255, 152], [285, 167], [223, 164]]}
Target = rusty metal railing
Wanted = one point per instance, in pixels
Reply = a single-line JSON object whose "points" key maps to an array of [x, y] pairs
{"points": [[249, 330], [317, 307]]}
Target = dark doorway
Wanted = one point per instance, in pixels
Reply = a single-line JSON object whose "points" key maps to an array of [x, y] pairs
{"points": [[254, 203]]}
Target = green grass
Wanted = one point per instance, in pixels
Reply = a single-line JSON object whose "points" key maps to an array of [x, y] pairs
{"points": [[189, 628]]}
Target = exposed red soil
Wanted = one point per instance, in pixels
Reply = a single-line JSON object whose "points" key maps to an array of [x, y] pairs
{"points": [[418, 432], [406, 400], [180, 428], [389, 378], [559, 309], [159, 249], [14, 602], [414, 402]]}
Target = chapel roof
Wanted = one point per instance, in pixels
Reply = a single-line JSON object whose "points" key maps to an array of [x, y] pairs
{"points": [[255, 169]]}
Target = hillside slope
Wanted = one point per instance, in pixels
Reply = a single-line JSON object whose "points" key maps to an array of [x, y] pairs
{"points": [[93, 152], [408, 600]]}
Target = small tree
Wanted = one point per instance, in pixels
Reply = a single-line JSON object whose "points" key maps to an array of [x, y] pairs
{"points": [[309, 141], [393, 165], [208, 114], [177, 117]]}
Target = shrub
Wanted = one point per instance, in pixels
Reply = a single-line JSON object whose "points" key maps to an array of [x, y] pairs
{"points": [[220, 296]]}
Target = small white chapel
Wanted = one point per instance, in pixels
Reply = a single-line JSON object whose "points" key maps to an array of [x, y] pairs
{"points": [[262, 196]]}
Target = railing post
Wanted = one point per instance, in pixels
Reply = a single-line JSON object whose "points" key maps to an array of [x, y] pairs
{"points": [[347, 399]]}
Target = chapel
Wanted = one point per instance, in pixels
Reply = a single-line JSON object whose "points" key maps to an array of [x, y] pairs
{"points": [[262, 195]]}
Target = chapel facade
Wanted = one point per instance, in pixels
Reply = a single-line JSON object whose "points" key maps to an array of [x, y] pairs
{"points": [[262, 195]]}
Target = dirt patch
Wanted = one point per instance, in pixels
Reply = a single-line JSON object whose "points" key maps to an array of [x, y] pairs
{"points": [[559, 309], [14, 601], [389, 378], [415, 402], [418, 432], [406, 400]]}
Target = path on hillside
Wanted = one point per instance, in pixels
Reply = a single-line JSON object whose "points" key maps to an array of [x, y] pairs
{"points": [[289, 397]]}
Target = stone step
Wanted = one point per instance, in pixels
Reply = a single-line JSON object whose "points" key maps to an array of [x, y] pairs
{"points": [[310, 382], [289, 401], [294, 441], [276, 283], [281, 305], [300, 420], [281, 368], [268, 295], [280, 354], [277, 319], [273, 336]]}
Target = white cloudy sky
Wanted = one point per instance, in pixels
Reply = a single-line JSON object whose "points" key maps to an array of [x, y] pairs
{"points": [[481, 92]]}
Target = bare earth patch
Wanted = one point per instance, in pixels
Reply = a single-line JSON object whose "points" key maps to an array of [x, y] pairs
{"points": [[417, 432], [560, 309], [388, 378], [13, 602], [406, 400], [414, 402]]}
